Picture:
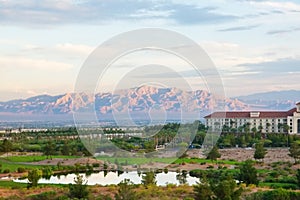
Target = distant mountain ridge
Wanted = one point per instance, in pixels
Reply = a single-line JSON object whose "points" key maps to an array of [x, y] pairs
{"points": [[275, 100], [143, 98], [134, 100]]}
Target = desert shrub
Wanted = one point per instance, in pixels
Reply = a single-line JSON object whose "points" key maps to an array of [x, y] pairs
{"points": [[45, 196]]}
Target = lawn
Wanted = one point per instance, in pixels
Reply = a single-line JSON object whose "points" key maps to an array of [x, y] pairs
{"points": [[12, 185], [199, 161], [137, 161], [34, 158], [13, 167]]}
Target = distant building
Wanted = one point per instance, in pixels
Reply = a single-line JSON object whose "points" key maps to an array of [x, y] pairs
{"points": [[263, 121]]}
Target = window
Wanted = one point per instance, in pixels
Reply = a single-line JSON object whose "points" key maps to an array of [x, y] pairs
{"points": [[298, 122]]}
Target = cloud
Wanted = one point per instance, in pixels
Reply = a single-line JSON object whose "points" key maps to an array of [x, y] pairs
{"points": [[189, 14], [279, 67], [7, 62], [239, 28], [275, 32], [58, 51], [47, 13], [279, 6]]}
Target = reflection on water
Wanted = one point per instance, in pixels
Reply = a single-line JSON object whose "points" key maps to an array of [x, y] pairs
{"points": [[113, 178]]}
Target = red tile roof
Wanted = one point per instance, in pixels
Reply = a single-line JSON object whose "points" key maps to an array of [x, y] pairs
{"points": [[263, 114]]}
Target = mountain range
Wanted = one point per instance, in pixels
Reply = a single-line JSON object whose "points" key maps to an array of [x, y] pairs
{"points": [[134, 100], [275, 100], [141, 99]]}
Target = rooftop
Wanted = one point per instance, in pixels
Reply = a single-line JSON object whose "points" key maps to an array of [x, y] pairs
{"points": [[247, 114]]}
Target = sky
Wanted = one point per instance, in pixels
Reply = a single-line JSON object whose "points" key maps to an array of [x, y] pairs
{"points": [[254, 44]]}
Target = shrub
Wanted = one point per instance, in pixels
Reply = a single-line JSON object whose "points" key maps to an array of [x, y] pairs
{"points": [[33, 177], [166, 170], [45, 196], [21, 169], [277, 194], [125, 191], [96, 165], [79, 189], [6, 171]]}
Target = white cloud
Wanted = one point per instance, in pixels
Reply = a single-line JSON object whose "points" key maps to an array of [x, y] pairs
{"points": [[282, 6], [13, 62], [75, 49]]}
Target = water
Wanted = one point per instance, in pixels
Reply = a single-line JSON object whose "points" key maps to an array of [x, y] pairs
{"points": [[112, 178]]}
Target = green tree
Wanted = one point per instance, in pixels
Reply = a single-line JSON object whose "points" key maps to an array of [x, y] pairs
{"points": [[202, 191], [125, 191], [260, 151], [214, 154], [286, 128], [33, 177], [6, 146], [227, 189], [66, 150], [248, 173], [49, 149], [149, 179], [295, 151], [79, 189], [47, 172], [298, 177]]}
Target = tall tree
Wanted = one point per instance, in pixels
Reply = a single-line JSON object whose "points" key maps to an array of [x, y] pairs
{"points": [[260, 151], [49, 149], [6, 146], [214, 154], [295, 151], [248, 173], [66, 149]]}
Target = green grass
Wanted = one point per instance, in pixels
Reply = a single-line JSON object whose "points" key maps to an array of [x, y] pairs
{"points": [[137, 161], [14, 166], [199, 160], [12, 185], [34, 158], [140, 161]]}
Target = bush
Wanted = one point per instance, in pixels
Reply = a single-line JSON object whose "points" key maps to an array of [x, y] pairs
{"points": [[21, 170], [96, 165], [45, 196], [33, 177], [6, 171], [278, 194], [79, 189]]}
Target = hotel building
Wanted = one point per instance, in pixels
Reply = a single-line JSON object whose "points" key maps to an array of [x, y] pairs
{"points": [[263, 121]]}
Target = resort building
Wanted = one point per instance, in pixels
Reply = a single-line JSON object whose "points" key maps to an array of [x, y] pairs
{"points": [[256, 121]]}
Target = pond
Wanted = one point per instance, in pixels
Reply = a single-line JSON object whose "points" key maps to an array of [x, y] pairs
{"points": [[110, 178]]}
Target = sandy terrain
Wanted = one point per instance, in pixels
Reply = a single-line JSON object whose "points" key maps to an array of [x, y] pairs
{"points": [[242, 154]]}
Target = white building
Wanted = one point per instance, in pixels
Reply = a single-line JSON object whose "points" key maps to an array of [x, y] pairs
{"points": [[264, 121]]}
